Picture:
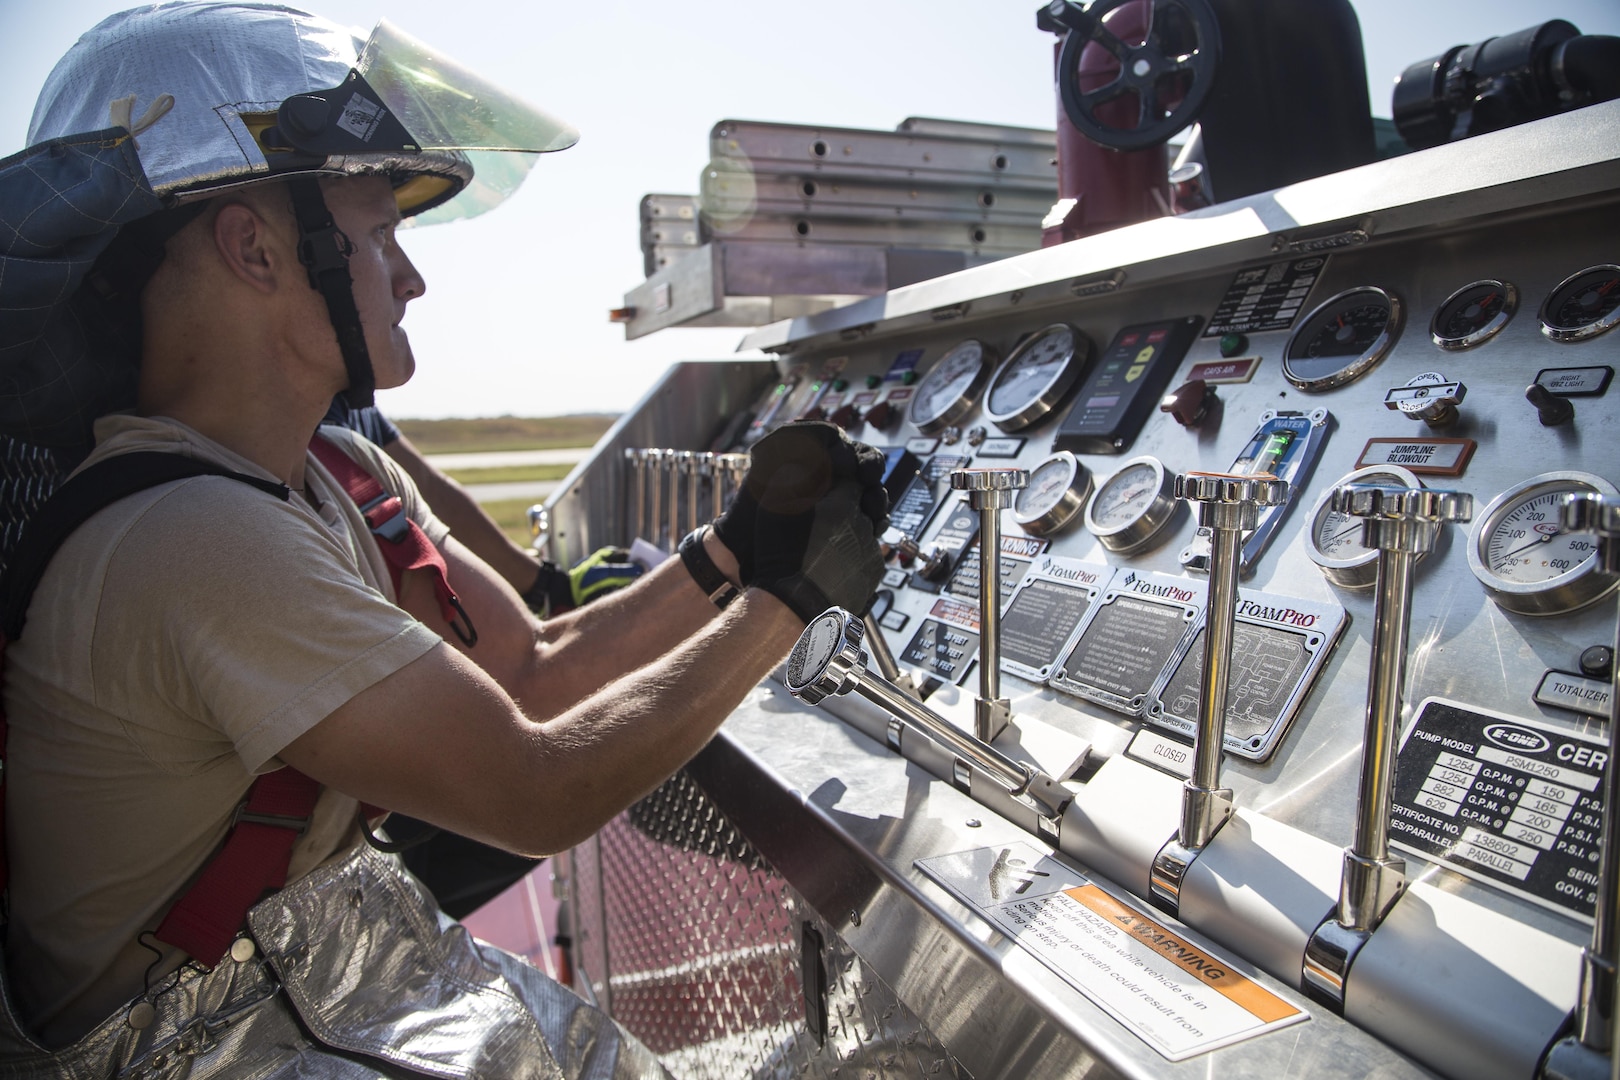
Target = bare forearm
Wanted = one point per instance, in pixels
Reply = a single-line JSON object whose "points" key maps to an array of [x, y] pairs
{"points": [[645, 726], [441, 741], [618, 633]]}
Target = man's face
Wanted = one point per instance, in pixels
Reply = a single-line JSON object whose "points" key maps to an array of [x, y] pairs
{"points": [[384, 279]]}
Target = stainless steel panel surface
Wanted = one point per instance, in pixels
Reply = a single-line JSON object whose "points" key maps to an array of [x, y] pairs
{"points": [[1464, 977]]}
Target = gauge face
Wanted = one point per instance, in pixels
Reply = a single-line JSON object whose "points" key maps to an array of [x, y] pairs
{"points": [[1334, 539], [1342, 339], [1473, 314], [1031, 381], [816, 647], [1523, 559], [948, 391], [1132, 507], [1584, 305], [1055, 495]]}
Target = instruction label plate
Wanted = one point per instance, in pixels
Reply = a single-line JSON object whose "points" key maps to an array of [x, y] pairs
{"points": [[1179, 997], [1511, 802]]}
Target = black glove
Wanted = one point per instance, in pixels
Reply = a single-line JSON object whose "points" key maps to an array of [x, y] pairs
{"points": [[816, 556], [799, 463], [556, 590]]}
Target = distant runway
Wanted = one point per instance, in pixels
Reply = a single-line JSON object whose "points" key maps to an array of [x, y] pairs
{"points": [[537, 490], [501, 459]]}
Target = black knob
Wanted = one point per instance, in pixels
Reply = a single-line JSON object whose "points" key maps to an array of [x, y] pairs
{"points": [[1552, 409], [1597, 662]]}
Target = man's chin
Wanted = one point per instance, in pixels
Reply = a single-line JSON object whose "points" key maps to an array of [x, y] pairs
{"points": [[397, 370]]}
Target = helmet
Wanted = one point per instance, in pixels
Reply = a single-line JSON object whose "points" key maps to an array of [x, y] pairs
{"points": [[262, 91], [228, 94]]}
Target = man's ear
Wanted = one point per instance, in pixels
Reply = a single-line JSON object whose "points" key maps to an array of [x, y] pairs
{"points": [[247, 245]]}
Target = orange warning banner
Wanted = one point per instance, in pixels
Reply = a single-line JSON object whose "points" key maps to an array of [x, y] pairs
{"points": [[1240, 989]]}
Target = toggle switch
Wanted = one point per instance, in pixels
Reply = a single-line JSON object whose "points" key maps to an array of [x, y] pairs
{"points": [[881, 415], [1190, 402], [1552, 409]]}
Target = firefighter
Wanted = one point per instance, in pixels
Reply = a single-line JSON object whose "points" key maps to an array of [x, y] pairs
{"points": [[227, 677]]}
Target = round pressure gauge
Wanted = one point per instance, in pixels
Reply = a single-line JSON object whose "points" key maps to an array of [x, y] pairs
{"points": [[1030, 383], [1055, 495], [949, 390], [1473, 314], [1584, 305], [825, 654], [1525, 562], [1132, 507], [1342, 339], [1333, 540]]}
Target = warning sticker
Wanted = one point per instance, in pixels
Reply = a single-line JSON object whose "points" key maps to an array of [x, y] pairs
{"points": [[1178, 997]]}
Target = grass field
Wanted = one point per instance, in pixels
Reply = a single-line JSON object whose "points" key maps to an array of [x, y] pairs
{"points": [[508, 474], [512, 515], [505, 433]]}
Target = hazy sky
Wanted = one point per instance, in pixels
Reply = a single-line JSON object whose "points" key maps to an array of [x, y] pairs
{"points": [[515, 317]]}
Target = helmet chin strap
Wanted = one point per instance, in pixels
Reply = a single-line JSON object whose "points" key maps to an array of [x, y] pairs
{"points": [[324, 250]]}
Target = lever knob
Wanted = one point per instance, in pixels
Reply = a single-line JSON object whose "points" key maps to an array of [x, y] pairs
{"points": [[1402, 519], [1230, 500], [989, 489], [880, 415], [845, 416], [1552, 409], [1189, 403]]}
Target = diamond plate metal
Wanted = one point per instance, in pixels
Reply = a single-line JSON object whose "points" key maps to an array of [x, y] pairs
{"points": [[692, 942]]}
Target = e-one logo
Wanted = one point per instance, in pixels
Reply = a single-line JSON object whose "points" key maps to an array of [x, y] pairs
{"points": [[1513, 737]]}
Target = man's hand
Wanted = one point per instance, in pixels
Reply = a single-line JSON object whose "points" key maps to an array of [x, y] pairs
{"points": [[603, 571], [818, 556], [791, 469]]}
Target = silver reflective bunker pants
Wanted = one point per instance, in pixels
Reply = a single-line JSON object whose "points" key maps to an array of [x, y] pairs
{"points": [[354, 973]]}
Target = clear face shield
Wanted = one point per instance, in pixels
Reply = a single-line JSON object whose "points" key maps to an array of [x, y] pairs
{"points": [[405, 97]]}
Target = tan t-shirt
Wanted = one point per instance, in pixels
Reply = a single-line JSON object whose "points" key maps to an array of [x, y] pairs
{"points": [[179, 640]]}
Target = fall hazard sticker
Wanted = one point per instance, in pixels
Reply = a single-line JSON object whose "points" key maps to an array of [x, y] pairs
{"points": [[1179, 997]]}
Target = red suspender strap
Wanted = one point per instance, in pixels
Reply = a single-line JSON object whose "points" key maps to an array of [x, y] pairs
{"points": [[253, 862], [401, 540]]}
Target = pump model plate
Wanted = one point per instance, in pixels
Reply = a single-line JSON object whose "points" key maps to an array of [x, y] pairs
{"points": [[1045, 610], [1514, 803], [1279, 646], [1122, 645]]}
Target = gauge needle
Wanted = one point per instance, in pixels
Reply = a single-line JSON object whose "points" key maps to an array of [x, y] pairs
{"points": [[1345, 532], [1504, 560]]}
